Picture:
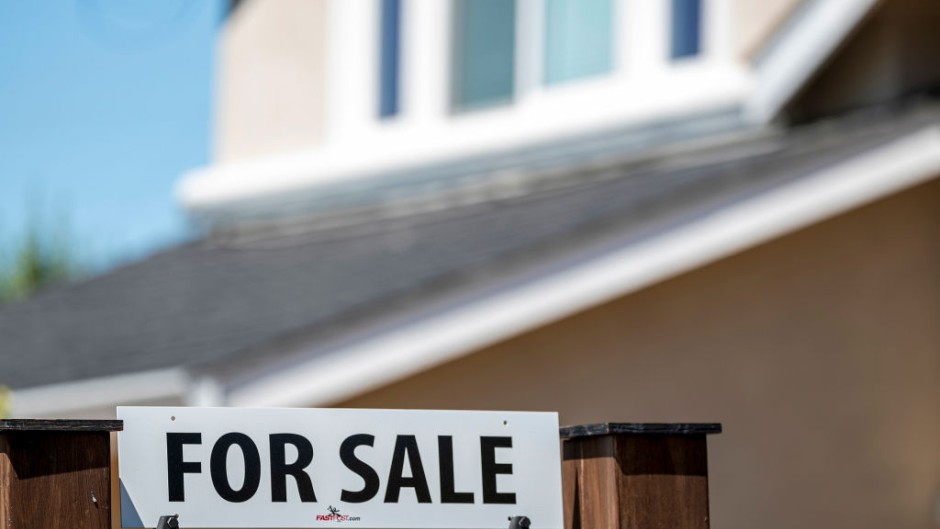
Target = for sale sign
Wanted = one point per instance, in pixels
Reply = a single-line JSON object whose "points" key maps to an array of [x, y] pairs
{"points": [[277, 467]]}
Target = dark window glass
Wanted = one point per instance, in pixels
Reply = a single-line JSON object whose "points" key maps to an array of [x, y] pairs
{"points": [[484, 52], [686, 28], [389, 57]]}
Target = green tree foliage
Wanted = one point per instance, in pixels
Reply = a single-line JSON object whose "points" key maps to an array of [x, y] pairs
{"points": [[35, 260]]}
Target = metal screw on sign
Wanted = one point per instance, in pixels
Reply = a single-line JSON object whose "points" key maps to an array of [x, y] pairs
{"points": [[519, 522], [169, 522]]}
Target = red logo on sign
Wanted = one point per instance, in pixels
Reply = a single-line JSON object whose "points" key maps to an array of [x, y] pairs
{"points": [[335, 516]]}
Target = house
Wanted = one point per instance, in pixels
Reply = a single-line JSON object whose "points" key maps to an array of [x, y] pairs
{"points": [[715, 210]]}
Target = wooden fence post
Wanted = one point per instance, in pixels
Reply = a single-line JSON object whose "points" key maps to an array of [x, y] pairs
{"points": [[55, 474], [636, 476]]}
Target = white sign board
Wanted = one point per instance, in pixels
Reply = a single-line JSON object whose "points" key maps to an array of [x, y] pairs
{"points": [[279, 467]]}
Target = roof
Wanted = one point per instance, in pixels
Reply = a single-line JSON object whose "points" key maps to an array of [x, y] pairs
{"points": [[213, 303]]}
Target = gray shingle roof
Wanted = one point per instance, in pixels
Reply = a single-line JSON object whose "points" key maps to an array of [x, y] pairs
{"points": [[203, 303]]}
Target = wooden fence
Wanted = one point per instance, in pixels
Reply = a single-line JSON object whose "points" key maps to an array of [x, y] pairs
{"points": [[57, 474]]}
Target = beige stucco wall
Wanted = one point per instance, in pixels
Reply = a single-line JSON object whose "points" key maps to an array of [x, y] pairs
{"points": [[271, 85], [819, 352]]}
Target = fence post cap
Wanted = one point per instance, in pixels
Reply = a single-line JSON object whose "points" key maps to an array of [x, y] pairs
{"points": [[641, 428], [60, 425]]}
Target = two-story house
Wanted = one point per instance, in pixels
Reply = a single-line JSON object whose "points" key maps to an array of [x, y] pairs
{"points": [[656, 210]]}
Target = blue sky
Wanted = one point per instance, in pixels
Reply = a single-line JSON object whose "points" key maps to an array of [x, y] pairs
{"points": [[103, 104]]}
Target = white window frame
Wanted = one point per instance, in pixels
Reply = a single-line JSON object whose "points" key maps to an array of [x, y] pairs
{"points": [[644, 82]]}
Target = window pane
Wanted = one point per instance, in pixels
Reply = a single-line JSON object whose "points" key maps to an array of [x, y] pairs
{"points": [[577, 38], [389, 55], [484, 52], [686, 28]]}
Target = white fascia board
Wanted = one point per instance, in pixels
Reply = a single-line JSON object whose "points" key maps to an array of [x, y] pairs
{"points": [[130, 388], [791, 58], [383, 359]]}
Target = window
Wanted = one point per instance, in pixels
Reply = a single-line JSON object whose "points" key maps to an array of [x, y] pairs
{"points": [[483, 53], [686, 28], [389, 57], [577, 39]]}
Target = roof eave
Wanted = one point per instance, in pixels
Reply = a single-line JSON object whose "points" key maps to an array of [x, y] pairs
{"points": [[103, 393], [380, 359]]}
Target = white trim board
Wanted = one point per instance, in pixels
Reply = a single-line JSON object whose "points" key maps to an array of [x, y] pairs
{"points": [[100, 392], [377, 361], [563, 114]]}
